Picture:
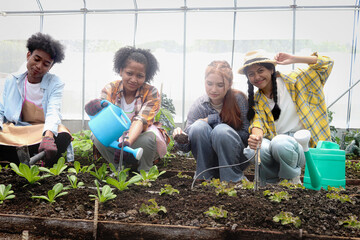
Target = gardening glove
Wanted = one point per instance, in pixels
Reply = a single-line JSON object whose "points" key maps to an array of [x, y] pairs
{"points": [[48, 145], [94, 106]]}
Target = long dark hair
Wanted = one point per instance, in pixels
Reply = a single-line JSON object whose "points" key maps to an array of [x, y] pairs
{"points": [[276, 110], [230, 112]]}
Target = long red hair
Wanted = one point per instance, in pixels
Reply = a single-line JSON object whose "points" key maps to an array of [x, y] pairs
{"points": [[230, 112]]}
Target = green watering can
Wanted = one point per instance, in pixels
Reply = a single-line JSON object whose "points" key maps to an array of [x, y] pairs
{"points": [[325, 164]]}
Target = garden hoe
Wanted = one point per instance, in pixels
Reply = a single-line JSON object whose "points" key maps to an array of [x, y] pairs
{"points": [[24, 156]]}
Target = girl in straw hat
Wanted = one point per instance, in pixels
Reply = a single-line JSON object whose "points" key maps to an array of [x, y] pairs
{"points": [[284, 104], [217, 128]]}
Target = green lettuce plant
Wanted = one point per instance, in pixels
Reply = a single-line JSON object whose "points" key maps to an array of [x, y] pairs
{"points": [[350, 222], [153, 208], [105, 194], [144, 178], [277, 196], [82, 144], [74, 182], [247, 184], [57, 169], [216, 212], [54, 193], [6, 193], [286, 183], [181, 175], [168, 190], [287, 218], [120, 183], [80, 169], [100, 173], [30, 174]]}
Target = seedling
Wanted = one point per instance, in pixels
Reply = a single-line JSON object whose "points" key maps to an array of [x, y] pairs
{"points": [[100, 173], [351, 222], [153, 208], [168, 190], [57, 169], [224, 189], [334, 189], [286, 183], [78, 169], [247, 184], [341, 197], [6, 193], [287, 218], [216, 212], [31, 174], [277, 196], [180, 175], [73, 182], [55, 192], [105, 194], [144, 178], [121, 183], [82, 144]]}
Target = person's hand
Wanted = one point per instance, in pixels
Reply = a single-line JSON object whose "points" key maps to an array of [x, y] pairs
{"points": [[254, 141], [94, 106], [117, 154], [48, 145], [284, 58], [203, 119], [180, 136]]}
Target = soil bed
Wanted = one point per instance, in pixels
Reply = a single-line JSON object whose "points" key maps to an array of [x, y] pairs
{"points": [[249, 209]]}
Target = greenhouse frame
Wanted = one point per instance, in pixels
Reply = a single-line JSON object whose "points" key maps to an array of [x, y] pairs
{"points": [[185, 36]]}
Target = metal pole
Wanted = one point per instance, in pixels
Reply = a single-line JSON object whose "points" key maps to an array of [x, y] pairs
{"points": [[233, 42], [41, 16], [83, 80], [184, 67], [135, 23], [343, 94], [293, 31]]}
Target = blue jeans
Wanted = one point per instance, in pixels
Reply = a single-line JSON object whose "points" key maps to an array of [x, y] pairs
{"points": [[217, 147], [281, 158]]}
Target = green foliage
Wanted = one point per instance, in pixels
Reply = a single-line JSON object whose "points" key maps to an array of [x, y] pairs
{"points": [[216, 212], [352, 144], [221, 187], [54, 193], [277, 196], [165, 114], [31, 174], [82, 144], [168, 190], [100, 173], [287, 218], [352, 165], [121, 182], [78, 169], [247, 184], [74, 182], [105, 194], [180, 175], [350, 222], [286, 183], [57, 169], [153, 208], [6, 193], [341, 197], [334, 189], [144, 178]]}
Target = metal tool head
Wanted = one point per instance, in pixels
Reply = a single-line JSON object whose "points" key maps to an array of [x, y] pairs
{"points": [[23, 154]]}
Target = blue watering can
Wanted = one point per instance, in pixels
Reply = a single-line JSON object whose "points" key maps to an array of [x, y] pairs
{"points": [[108, 126]]}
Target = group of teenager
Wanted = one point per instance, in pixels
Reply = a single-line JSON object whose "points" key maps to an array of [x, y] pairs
{"points": [[223, 127]]}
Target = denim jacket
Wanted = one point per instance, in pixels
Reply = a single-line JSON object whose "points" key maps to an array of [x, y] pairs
{"points": [[13, 98]]}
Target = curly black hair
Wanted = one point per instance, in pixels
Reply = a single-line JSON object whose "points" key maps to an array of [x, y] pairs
{"points": [[143, 56], [41, 41], [276, 110]]}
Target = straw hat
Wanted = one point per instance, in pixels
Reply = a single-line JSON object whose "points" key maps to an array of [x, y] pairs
{"points": [[257, 56]]}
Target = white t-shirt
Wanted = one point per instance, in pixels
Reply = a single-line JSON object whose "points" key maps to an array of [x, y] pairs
{"points": [[128, 108], [289, 120], [33, 93]]}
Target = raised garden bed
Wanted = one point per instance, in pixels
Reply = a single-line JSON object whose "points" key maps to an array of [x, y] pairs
{"points": [[250, 213]]}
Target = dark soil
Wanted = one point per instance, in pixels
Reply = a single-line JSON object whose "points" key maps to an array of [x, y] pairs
{"points": [[249, 209], [181, 138]]}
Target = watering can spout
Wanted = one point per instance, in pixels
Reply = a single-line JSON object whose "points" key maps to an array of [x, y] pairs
{"points": [[303, 138]]}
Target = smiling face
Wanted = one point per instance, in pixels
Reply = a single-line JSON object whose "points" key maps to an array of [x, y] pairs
{"points": [[260, 77], [216, 87], [133, 76], [38, 64]]}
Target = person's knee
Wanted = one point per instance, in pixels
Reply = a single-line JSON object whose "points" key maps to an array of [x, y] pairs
{"points": [[286, 149], [199, 129]]}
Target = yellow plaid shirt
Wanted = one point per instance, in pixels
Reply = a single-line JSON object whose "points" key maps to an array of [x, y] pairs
{"points": [[306, 90]]}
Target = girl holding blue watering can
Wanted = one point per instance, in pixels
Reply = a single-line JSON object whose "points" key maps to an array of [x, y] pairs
{"points": [[284, 104], [140, 101], [216, 129]]}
